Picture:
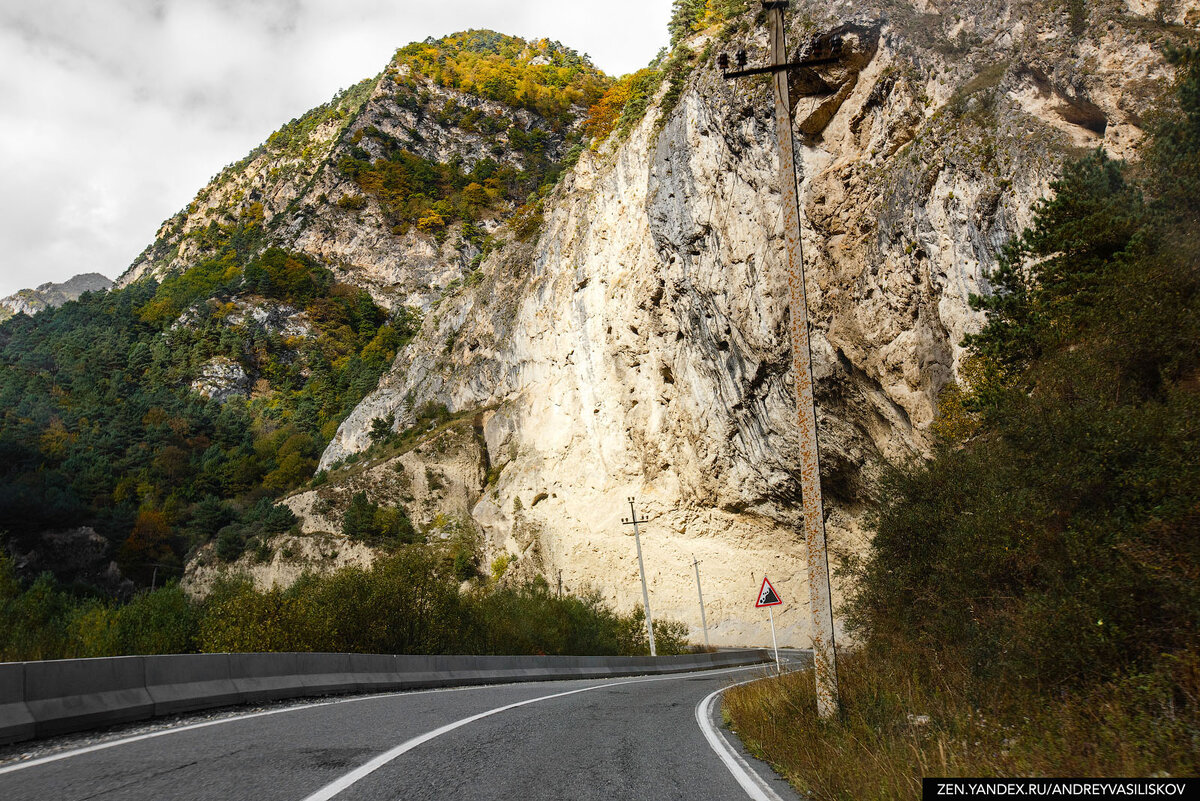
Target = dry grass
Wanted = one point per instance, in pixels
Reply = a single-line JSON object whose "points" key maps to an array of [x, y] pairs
{"points": [[882, 744]]}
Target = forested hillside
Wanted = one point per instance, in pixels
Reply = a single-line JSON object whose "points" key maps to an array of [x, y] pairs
{"points": [[105, 426], [174, 410]]}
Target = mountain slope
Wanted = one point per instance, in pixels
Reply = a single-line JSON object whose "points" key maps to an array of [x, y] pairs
{"points": [[396, 183], [156, 424], [638, 346], [552, 291], [49, 295]]}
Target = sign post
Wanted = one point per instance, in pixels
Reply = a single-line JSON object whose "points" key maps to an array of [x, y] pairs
{"points": [[768, 597]]}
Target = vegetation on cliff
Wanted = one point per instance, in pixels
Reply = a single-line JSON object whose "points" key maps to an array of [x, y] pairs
{"points": [[1039, 574], [628, 99], [406, 603], [168, 415], [415, 191], [101, 427], [544, 77]]}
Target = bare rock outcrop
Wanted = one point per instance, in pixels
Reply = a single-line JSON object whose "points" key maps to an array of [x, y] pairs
{"points": [[639, 346], [51, 295]]}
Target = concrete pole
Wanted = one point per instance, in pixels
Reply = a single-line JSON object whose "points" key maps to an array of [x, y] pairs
{"points": [[700, 592], [824, 651], [637, 538]]}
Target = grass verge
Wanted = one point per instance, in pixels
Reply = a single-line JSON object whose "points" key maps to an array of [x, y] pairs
{"points": [[898, 726]]}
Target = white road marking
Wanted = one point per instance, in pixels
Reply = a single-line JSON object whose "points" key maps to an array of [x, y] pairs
{"points": [[230, 719], [746, 776], [74, 752], [135, 738], [338, 785]]}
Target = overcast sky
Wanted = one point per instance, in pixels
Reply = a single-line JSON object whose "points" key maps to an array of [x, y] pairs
{"points": [[113, 113]]}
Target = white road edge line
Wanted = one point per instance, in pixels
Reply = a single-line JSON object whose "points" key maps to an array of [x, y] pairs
{"points": [[176, 729], [338, 785], [754, 785]]}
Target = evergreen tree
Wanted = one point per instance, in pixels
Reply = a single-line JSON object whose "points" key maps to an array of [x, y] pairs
{"points": [[685, 16]]}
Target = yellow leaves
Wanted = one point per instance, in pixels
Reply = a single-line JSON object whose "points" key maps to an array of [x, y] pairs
{"points": [[94, 630], [377, 352], [253, 214], [714, 12], [292, 470], [500, 68], [431, 221], [55, 439], [149, 542], [244, 620], [494, 187], [954, 423], [157, 311], [607, 112], [475, 194], [500, 566], [603, 116], [126, 490]]}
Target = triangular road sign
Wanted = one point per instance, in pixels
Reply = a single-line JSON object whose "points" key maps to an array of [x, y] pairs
{"points": [[767, 595]]}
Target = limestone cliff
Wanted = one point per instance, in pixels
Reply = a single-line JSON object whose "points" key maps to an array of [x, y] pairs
{"points": [[627, 335], [639, 346]]}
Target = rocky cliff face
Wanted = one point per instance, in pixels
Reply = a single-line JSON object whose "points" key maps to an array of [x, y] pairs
{"points": [[50, 295], [636, 346]]}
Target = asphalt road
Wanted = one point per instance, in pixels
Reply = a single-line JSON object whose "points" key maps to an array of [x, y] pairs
{"points": [[628, 738]]}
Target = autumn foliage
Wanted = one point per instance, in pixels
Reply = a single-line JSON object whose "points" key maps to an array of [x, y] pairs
{"points": [[542, 76]]}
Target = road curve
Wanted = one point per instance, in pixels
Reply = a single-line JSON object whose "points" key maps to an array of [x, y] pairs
{"points": [[628, 738]]}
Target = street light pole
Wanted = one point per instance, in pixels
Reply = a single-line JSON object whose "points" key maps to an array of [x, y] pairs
{"points": [[824, 650], [637, 538]]}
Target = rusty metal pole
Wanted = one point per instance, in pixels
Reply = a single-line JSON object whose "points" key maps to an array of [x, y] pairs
{"points": [[824, 651]]}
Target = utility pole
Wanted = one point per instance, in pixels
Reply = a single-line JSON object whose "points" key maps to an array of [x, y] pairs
{"points": [[633, 520], [560, 584], [700, 592], [824, 650]]}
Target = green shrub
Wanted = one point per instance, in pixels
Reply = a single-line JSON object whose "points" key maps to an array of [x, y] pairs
{"points": [[231, 542], [34, 623], [1058, 543], [377, 525], [162, 621], [465, 567]]}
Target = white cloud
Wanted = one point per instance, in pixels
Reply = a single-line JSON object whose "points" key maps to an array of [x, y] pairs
{"points": [[113, 115]]}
